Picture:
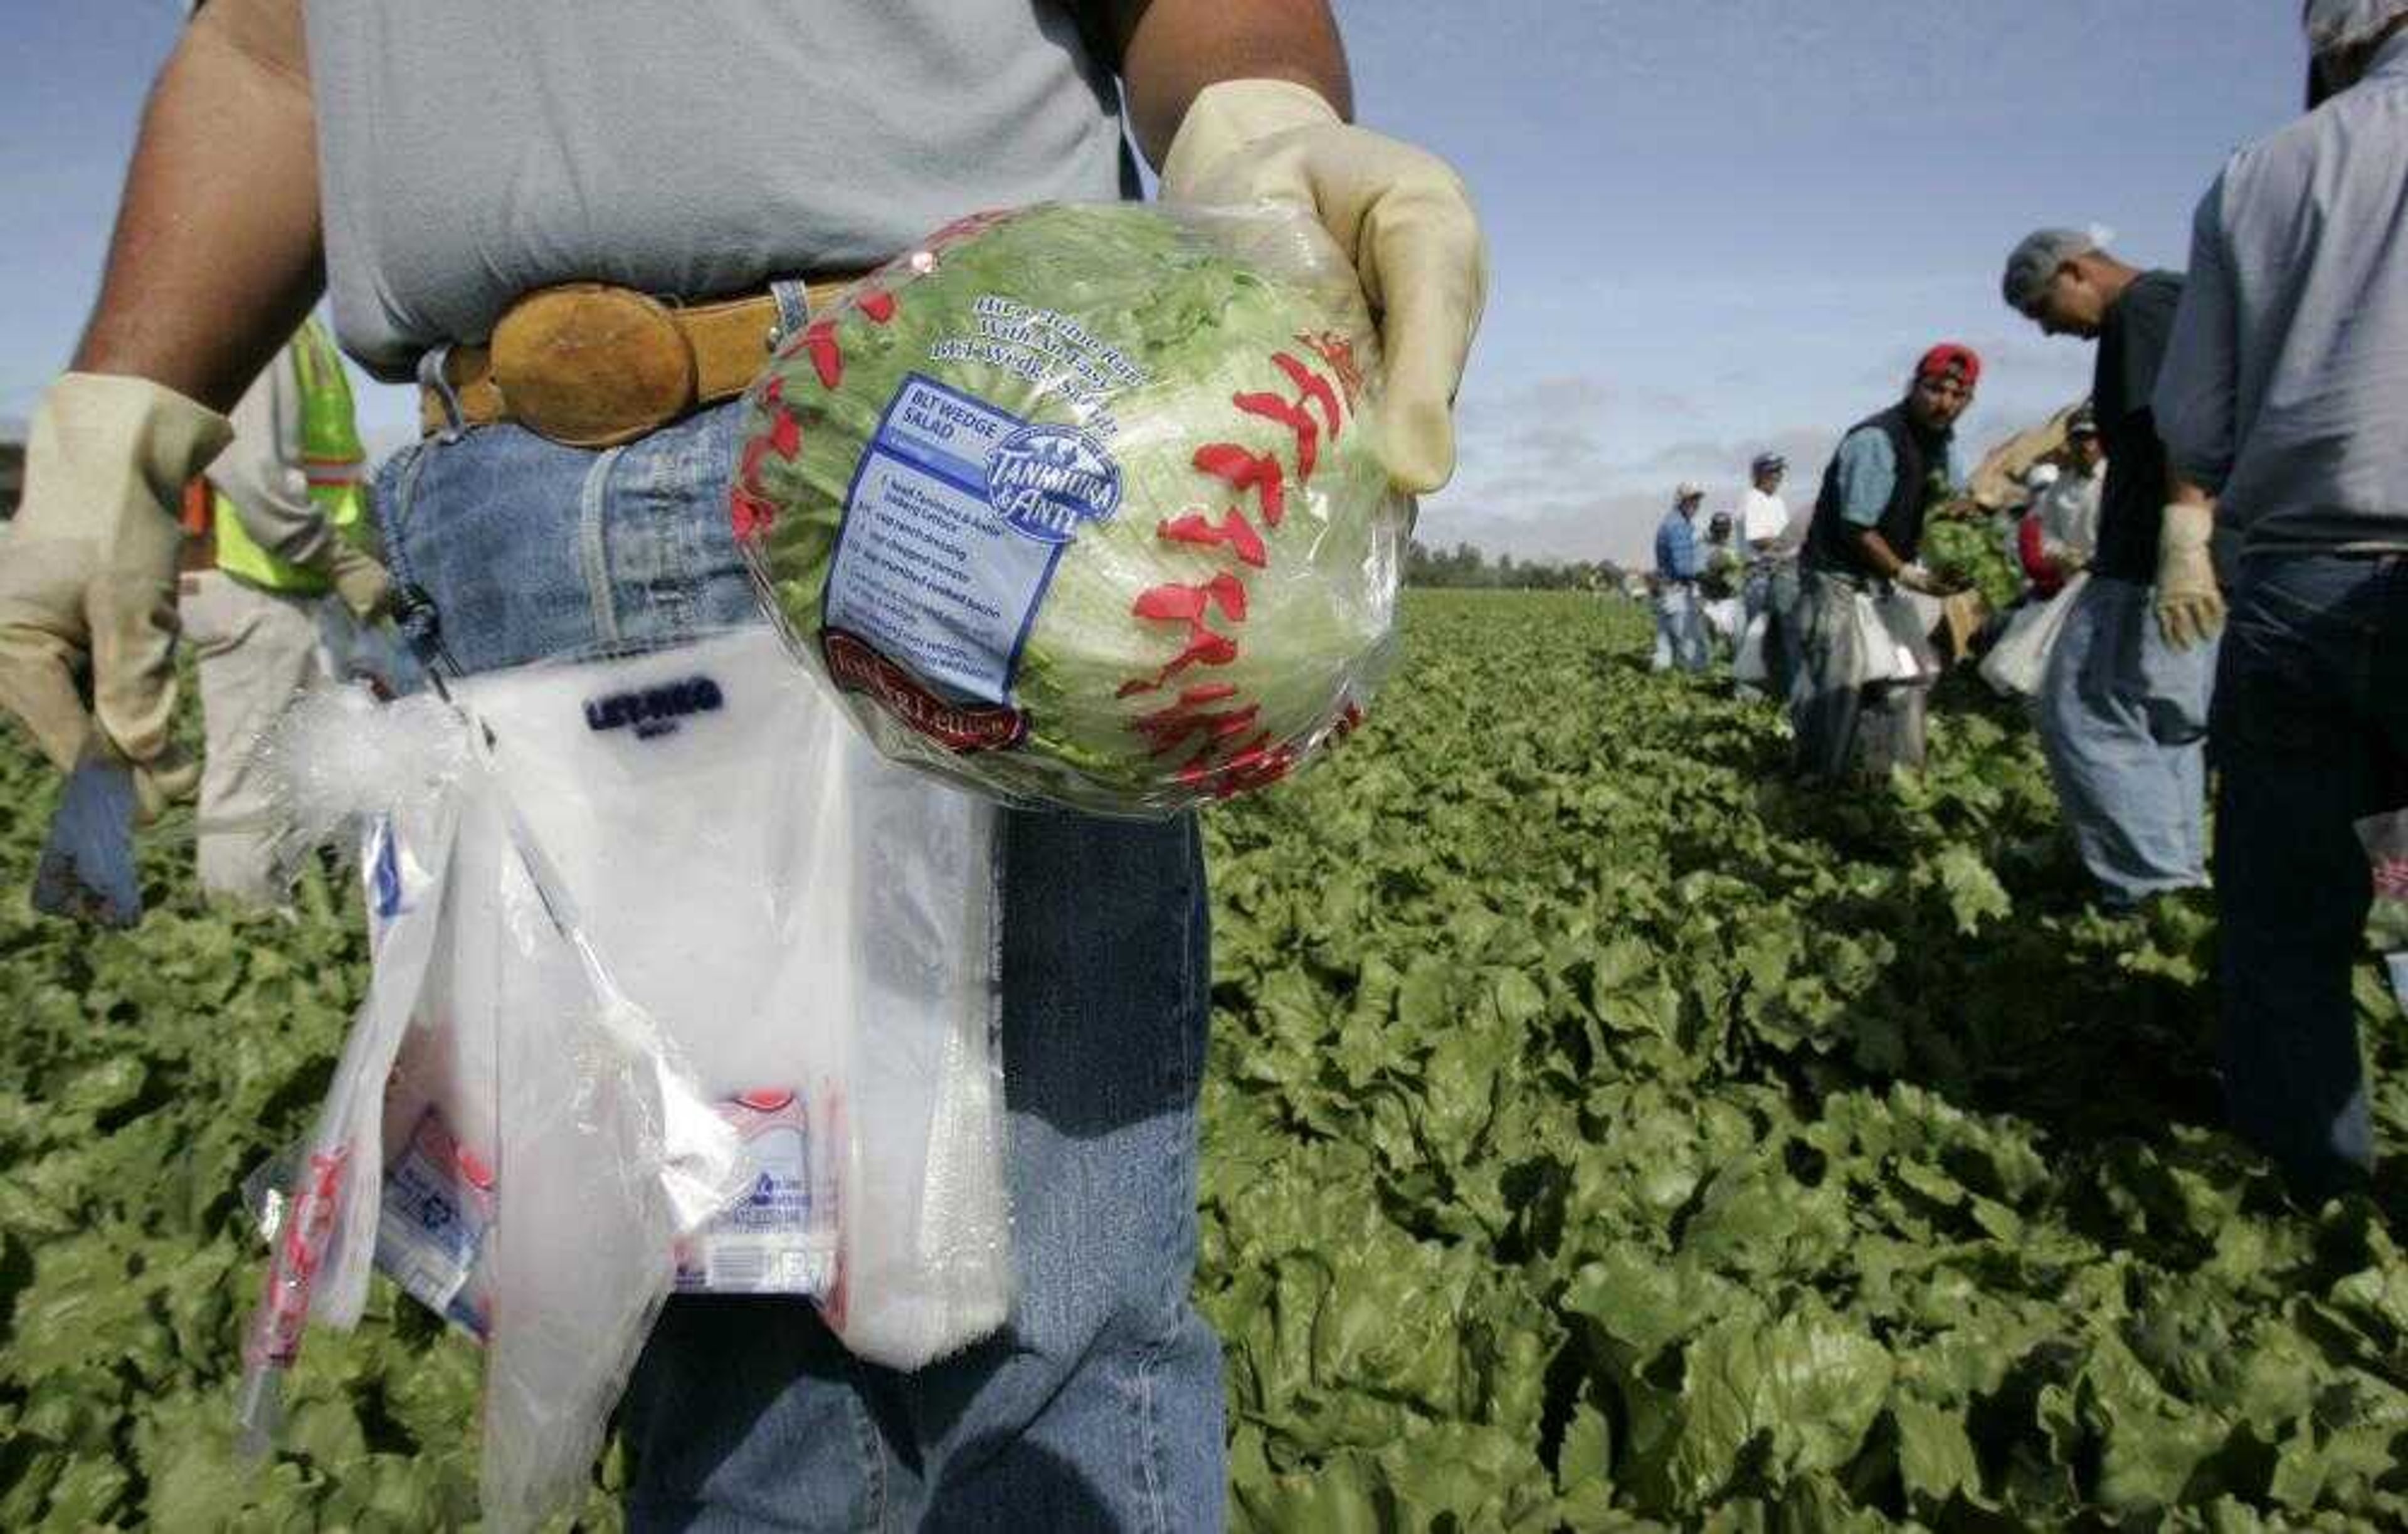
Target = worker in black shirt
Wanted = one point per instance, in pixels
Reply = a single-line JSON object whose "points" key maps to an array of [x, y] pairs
{"points": [[2123, 709]]}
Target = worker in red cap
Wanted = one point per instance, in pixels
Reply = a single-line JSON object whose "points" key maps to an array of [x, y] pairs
{"points": [[1857, 701]]}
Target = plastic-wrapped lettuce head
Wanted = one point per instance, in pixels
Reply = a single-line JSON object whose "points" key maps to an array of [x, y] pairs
{"points": [[1083, 505]]}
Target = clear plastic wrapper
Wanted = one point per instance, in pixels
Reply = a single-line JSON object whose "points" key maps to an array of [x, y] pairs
{"points": [[1083, 506], [679, 985]]}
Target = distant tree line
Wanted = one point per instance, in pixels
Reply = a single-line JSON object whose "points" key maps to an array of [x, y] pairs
{"points": [[1465, 568]]}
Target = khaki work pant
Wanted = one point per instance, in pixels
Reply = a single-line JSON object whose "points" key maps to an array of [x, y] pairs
{"points": [[257, 651]]}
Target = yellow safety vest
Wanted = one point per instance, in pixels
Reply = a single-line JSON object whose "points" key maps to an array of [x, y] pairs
{"points": [[330, 458]]}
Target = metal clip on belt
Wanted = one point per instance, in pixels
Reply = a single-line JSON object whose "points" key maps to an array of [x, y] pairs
{"points": [[588, 364]]}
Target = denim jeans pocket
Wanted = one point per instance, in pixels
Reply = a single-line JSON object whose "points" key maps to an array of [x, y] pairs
{"points": [[530, 550]]}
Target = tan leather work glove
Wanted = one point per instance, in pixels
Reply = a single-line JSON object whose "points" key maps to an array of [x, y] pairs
{"points": [[2190, 607], [88, 574], [1401, 215], [360, 581]]}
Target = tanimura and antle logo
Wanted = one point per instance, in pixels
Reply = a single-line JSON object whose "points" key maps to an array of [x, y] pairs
{"points": [[654, 711], [1044, 480]]}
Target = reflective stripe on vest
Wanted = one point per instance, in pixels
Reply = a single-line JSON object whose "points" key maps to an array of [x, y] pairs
{"points": [[331, 461]]}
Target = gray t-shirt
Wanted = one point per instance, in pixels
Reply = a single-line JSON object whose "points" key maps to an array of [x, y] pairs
{"points": [[472, 150]]}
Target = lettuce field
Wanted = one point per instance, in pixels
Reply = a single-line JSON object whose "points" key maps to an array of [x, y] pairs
{"points": [[1603, 1134]]}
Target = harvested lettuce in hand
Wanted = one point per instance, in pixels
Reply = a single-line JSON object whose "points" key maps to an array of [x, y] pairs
{"points": [[1083, 506]]}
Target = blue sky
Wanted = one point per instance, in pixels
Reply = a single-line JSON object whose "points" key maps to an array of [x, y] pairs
{"points": [[1714, 224]]}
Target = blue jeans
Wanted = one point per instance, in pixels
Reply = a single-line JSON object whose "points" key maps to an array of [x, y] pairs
{"points": [[1784, 591], [1680, 629], [2310, 735], [1099, 1404], [2123, 720]]}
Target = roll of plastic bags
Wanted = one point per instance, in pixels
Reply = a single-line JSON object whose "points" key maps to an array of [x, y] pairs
{"points": [[609, 1156], [680, 985], [1083, 506], [815, 926], [926, 1256], [595, 1119]]}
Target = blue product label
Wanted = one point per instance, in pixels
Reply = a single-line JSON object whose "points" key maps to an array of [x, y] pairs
{"points": [[430, 1224], [1045, 480], [779, 1236], [384, 877], [957, 515]]}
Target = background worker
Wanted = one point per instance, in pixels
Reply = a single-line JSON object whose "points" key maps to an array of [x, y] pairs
{"points": [[2123, 709], [289, 527], [2281, 397], [1763, 527], [2059, 536], [1720, 584], [1763, 518], [1884, 479], [1680, 564], [2023, 543], [469, 154]]}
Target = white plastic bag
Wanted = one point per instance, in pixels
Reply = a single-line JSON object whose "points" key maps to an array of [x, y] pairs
{"points": [[2017, 663], [679, 984], [1890, 641], [1747, 665], [598, 1121], [806, 917]]}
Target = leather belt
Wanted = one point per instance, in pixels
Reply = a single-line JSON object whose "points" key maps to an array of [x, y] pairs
{"points": [[589, 364]]}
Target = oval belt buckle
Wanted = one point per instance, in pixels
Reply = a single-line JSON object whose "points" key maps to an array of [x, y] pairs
{"points": [[588, 364]]}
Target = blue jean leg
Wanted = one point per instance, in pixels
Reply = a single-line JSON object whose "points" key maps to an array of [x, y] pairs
{"points": [[1100, 1405], [2312, 734], [1680, 630], [2123, 721]]}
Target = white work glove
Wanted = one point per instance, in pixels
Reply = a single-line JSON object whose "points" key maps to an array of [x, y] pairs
{"points": [[1914, 577], [363, 584], [88, 574], [1399, 214], [2190, 607]]}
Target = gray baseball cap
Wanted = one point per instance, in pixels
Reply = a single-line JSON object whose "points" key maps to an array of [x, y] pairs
{"points": [[2036, 259]]}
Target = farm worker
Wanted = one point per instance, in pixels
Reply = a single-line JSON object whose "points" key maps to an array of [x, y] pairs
{"points": [[1763, 518], [2060, 534], [1774, 536], [288, 520], [2122, 711], [445, 158], [1725, 572], [2281, 398], [1852, 717], [1680, 625], [2022, 536]]}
